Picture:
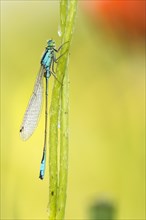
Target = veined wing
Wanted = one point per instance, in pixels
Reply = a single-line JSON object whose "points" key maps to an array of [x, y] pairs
{"points": [[32, 113]]}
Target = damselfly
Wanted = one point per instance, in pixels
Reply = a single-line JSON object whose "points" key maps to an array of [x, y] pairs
{"points": [[32, 113]]}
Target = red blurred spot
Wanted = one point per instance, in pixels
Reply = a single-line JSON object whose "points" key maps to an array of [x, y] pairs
{"points": [[126, 15]]}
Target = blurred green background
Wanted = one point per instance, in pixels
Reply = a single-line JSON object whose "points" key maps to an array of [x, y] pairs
{"points": [[106, 156]]}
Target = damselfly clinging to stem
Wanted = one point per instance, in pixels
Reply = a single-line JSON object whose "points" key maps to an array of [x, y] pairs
{"points": [[32, 113]]}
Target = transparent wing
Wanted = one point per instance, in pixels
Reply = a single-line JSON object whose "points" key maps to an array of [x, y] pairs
{"points": [[32, 113]]}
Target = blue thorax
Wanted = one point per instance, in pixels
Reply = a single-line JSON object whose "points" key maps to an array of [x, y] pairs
{"points": [[46, 61]]}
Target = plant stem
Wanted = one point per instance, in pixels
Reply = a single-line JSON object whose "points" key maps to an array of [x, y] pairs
{"points": [[64, 145], [57, 199], [68, 27]]}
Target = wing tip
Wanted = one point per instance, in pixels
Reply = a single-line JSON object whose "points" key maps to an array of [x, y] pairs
{"points": [[22, 134]]}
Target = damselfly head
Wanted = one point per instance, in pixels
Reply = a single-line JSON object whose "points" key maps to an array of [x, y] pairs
{"points": [[51, 43]]}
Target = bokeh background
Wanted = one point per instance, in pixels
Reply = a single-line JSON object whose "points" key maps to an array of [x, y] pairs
{"points": [[107, 70]]}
